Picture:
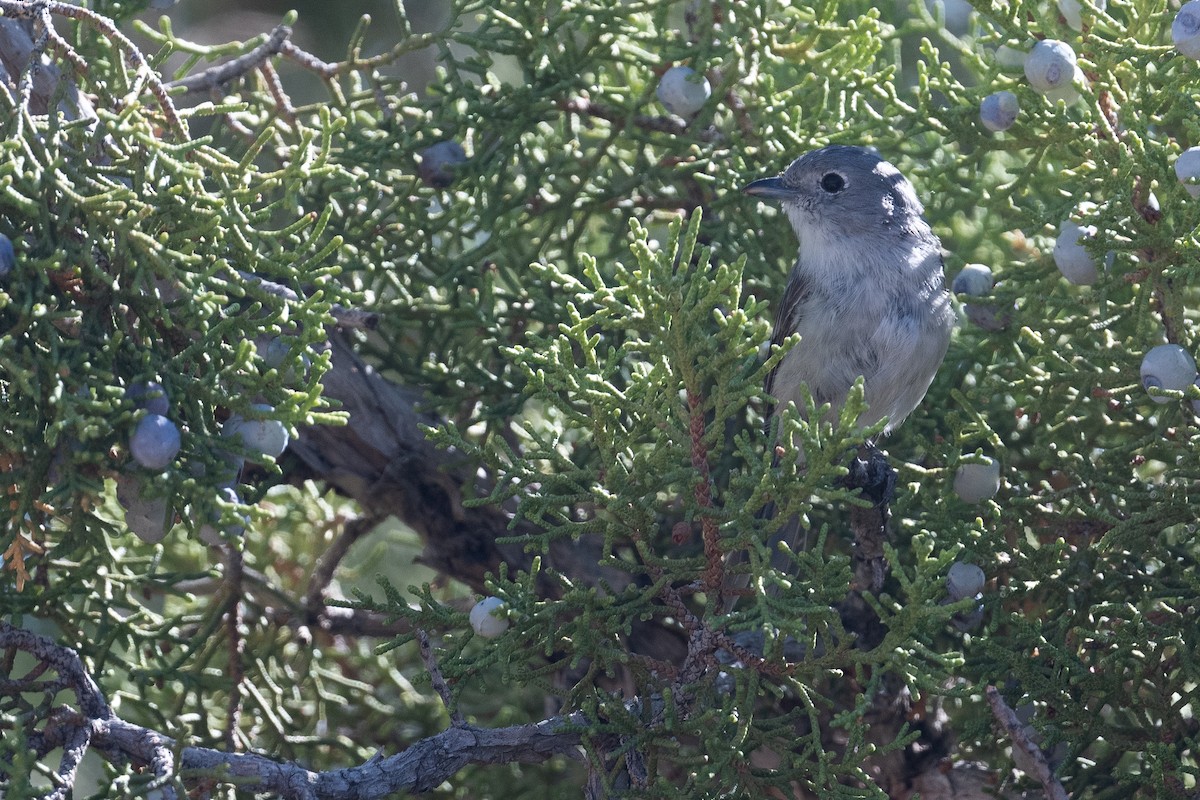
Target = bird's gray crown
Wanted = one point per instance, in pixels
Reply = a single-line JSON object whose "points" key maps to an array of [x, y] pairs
{"points": [[852, 184]]}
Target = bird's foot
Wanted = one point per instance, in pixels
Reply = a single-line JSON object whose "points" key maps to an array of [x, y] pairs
{"points": [[871, 472]]}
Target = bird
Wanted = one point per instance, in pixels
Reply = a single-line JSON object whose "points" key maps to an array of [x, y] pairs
{"points": [[867, 293]]}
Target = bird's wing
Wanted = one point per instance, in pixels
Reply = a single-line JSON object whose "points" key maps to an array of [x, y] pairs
{"points": [[792, 531], [785, 323]]}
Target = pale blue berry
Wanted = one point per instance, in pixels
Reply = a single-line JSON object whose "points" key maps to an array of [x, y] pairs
{"points": [[209, 533], [8, 257], [1167, 366], [974, 279], [967, 622], [276, 352], [1050, 65], [266, 437], [964, 580], [998, 111], [1069, 91], [683, 91], [487, 617], [1072, 11], [1071, 256], [439, 162], [151, 396], [1010, 57], [1185, 30], [990, 318], [148, 518], [1187, 168], [976, 482], [155, 442]]}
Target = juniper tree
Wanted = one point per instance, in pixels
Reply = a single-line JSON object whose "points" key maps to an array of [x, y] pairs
{"points": [[518, 318]]}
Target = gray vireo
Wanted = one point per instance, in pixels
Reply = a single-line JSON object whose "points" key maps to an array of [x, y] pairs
{"points": [[867, 294]]}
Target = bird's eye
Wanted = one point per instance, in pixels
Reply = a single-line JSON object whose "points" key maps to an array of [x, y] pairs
{"points": [[833, 182]]}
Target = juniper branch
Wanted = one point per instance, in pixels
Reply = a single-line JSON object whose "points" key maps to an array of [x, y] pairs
{"points": [[221, 74], [60, 45], [322, 575], [22, 9], [344, 317], [671, 125], [420, 768], [1028, 756], [437, 679]]}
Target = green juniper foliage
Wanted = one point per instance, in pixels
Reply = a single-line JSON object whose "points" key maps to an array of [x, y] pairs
{"points": [[583, 299], [650, 401], [147, 260]]}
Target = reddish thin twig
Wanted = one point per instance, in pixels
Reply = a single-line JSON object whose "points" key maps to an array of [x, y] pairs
{"points": [[284, 103], [308, 60], [60, 45]]}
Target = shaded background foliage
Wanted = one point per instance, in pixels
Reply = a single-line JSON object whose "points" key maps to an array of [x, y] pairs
{"points": [[1089, 547]]}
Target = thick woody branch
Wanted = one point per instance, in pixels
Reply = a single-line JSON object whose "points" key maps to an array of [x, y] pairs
{"points": [[62, 660], [420, 768], [382, 459]]}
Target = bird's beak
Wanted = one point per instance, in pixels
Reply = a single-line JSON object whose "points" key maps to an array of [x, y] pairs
{"points": [[769, 189]]}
